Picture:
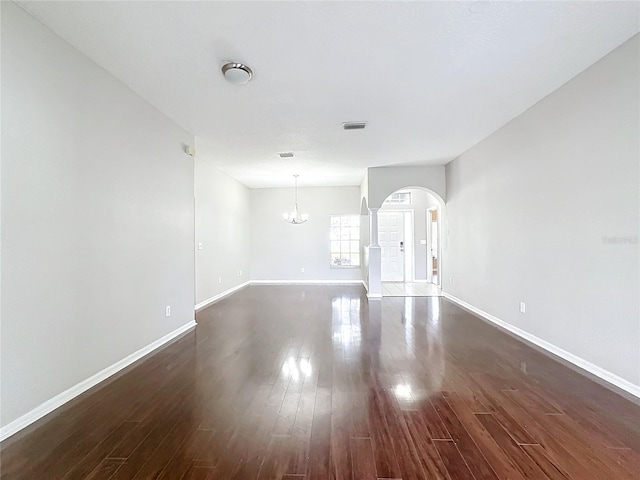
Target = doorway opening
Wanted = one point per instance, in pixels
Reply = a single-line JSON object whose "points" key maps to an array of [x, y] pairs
{"points": [[408, 237], [433, 246]]}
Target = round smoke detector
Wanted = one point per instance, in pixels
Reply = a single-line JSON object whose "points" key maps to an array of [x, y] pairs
{"points": [[237, 73]]}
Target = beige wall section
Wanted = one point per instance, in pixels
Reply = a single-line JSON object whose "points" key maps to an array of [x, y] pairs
{"points": [[279, 250], [223, 227], [97, 218], [546, 211]]}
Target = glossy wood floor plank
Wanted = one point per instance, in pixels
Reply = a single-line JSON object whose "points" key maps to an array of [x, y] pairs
{"points": [[453, 460], [106, 469], [544, 463], [509, 446], [503, 466], [318, 383], [364, 465], [575, 447], [320, 443], [387, 464], [554, 450], [465, 444], [430, 459]]}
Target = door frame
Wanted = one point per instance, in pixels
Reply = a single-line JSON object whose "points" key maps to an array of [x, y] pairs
{"points": [[409, 245], [428, 223]]}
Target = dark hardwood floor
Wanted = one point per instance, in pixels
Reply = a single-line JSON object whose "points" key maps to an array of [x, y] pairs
{"points": [[315, 382]]}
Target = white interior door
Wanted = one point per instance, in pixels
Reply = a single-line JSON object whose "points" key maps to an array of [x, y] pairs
{"points": [[391, 241]]}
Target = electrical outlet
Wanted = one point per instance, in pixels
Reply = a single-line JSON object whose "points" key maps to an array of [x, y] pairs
{"points": [[523, 307], [167, 311], [220, 280], [302, 270], [450, 280], [239, 273]]}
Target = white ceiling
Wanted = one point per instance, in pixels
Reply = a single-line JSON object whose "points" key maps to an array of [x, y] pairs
{"points": [[430, 78]]}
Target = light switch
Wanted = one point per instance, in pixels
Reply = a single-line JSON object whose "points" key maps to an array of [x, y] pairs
{"points": [[200, 246]]}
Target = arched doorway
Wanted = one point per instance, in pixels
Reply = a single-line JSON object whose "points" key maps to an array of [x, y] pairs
{"points": [[409, 239]]}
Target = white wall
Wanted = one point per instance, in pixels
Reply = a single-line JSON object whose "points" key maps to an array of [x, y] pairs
{"points": [[531, 209], [97, 218], [223, 226], [279, 250], [420, 201]]}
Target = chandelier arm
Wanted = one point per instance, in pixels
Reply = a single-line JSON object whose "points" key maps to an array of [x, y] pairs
{"points": [[295, 217]]}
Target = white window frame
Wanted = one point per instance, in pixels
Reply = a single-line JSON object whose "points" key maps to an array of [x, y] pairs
{"points": [[398, 198], [348, 234]]}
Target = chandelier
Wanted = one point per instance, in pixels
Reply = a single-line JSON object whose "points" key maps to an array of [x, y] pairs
{"points": [[295, 216]]}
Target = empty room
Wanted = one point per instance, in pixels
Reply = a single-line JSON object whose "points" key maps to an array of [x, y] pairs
{"points": [[320, 240]]}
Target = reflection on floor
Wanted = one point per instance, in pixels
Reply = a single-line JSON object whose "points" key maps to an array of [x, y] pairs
{"points": [[313, 382], [410, 289]]}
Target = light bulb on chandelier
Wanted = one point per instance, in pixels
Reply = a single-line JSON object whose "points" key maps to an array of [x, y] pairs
{"points": [[295, 217]]}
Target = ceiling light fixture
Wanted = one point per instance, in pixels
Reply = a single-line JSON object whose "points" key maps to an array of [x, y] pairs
{"points": [[237, 73], [286, 154], [354, 125], [295, 217]]}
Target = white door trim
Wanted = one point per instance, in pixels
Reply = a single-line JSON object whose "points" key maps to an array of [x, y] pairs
{"points": [[439, 241]]}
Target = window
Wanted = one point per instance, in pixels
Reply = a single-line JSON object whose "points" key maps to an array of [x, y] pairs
{"points": [[345, 240], [398, 198]]}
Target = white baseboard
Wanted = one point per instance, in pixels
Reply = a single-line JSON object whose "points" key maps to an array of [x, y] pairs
{"points": [[317, 282], [69, 394], [306, 282], [220, 296], [589, 367], [226, 293]]}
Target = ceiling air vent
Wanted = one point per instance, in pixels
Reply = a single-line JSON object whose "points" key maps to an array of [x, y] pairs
{"points": [[286, 154], [354, 125]]}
